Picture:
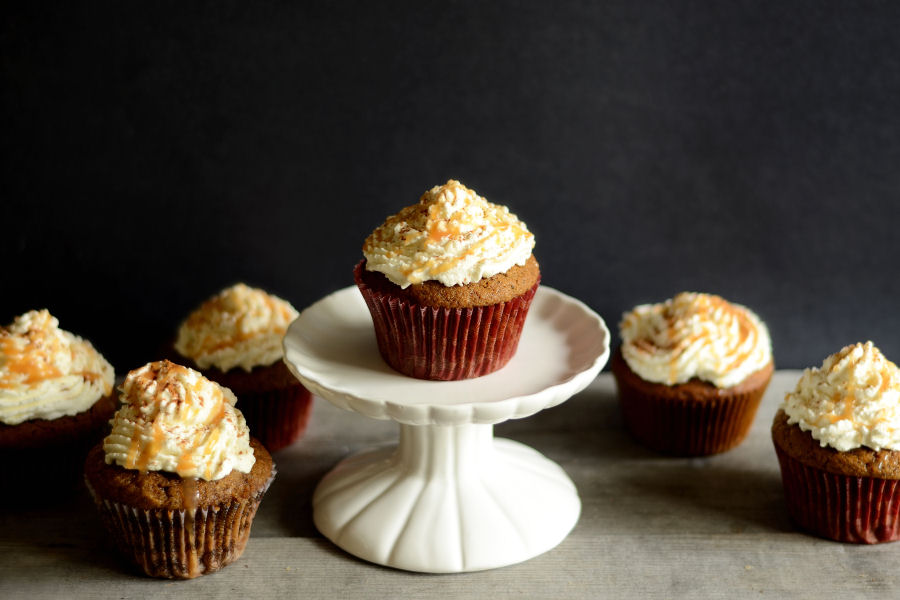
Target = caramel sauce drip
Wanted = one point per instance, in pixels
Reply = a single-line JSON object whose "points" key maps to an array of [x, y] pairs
{"points": [[191, 492], [191, 498]]}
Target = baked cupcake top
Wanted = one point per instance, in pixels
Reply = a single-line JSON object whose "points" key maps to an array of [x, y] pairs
{"points": [[453, 236], [174, 419], [694, 335], [852, 400], [240, 326], [46, 372]]}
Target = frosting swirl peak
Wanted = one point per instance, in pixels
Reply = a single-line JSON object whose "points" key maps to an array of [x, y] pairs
{"points": [[46, 372], [694, 335], [240, 326], [174, 419], [452, 235], [852, 400]]}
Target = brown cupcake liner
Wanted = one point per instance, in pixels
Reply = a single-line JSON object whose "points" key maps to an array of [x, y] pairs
{"points": [[844, 508], [689, 427], [678, 424], [445, 343], [180, 544], [277, 418]]}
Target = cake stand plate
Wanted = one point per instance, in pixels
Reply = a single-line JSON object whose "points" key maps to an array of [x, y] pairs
{"points": [[448, 497]]}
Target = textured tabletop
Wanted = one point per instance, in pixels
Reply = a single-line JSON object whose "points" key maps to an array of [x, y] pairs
{"points": [[651, 527]]}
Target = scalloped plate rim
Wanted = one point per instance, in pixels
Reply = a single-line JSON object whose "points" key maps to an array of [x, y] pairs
{"points": [[382, 409]]}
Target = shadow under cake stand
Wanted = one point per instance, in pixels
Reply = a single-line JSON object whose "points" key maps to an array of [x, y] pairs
{"points": [[448, 497]]}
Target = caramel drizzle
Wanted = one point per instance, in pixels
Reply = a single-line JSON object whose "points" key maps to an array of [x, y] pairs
{"points": [[32, 363], [437, 228], [141, 452], [215, 309], [849, 400], [707, 304], [848, 396]]}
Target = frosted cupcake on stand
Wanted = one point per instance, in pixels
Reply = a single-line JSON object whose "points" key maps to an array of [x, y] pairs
{"points": [[448, 282], [234, 338], [56, 397]]}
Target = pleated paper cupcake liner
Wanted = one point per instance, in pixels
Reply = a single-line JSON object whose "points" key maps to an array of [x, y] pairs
{"points": [[445, 343], [180, 544], [673, 421], [860, 510], [277, 418], [689, 427]]}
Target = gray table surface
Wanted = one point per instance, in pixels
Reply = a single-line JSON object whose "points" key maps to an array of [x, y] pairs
{"points": [[651, 527]]}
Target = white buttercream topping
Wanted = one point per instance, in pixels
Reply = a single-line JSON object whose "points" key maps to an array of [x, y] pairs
{"points": [[452, 235], [694, 335], [46, 372], [852, 400], [174, 419], [241, 326]]}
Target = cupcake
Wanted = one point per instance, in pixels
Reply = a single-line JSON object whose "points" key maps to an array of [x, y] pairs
{"points": [[56, 398], [178, 480], [691, 373], [234, 338], [837, 437], [449, 282]]}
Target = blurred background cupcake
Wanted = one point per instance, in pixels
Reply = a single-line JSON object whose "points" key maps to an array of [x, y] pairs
{"points": [[837, 437], [178, 480], [234, 338], [691, 372], [449, 282], [56, 398]]}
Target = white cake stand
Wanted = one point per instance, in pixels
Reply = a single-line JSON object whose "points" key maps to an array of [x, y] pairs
{"points": [[449, 497]]}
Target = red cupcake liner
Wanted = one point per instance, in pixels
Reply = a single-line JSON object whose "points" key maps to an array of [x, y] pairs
{"points": [[277, 418], [445, 343], [859, 510], [180, 544]]}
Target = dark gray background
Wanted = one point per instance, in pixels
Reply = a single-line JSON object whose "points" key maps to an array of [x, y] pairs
{"points": [[154, 153]]}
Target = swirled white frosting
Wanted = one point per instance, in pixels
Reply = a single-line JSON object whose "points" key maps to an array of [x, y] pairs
{"points": [[694, 335], [452, 235], [174, 419], [852, 400], [240, 326], [46, 372]]}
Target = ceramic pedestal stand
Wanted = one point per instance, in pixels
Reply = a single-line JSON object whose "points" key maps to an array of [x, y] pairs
{"points": [[449, 497]]}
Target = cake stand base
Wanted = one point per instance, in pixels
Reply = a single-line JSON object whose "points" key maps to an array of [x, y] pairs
{"points": [[447, 499]]}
